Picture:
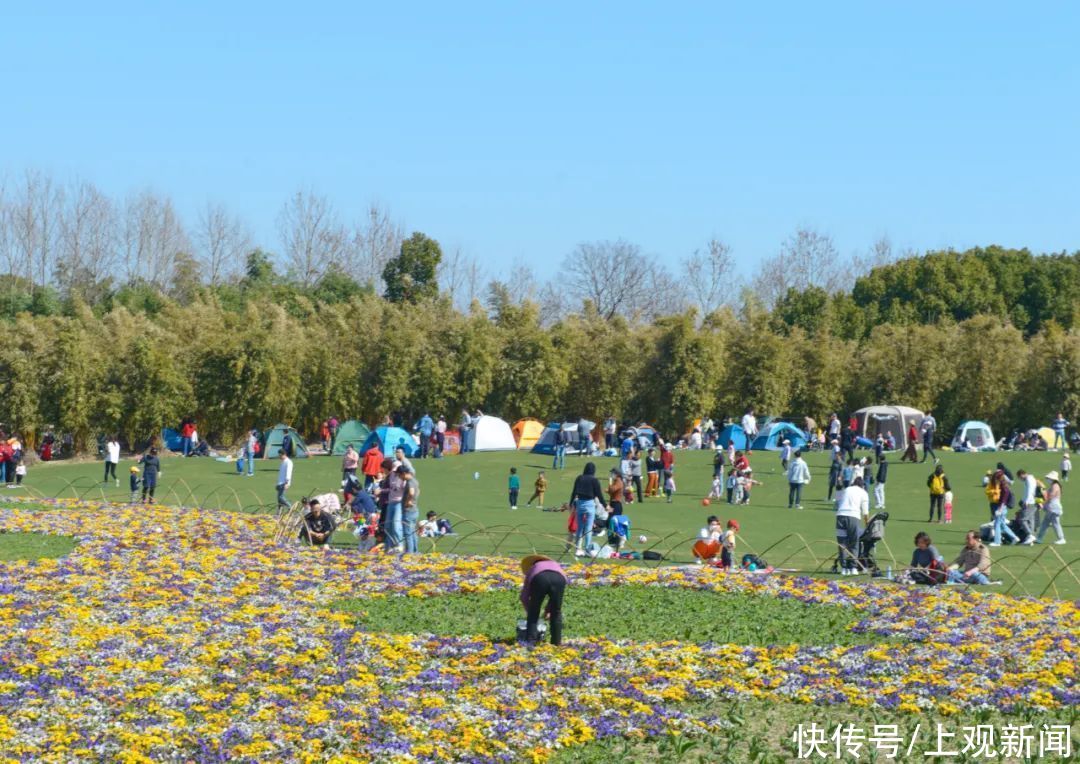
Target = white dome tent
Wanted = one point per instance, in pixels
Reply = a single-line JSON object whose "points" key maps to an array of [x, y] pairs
{"points": [[490, 433], [888, 420], [977, 435]]}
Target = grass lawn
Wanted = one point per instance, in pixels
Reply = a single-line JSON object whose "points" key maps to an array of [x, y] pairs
{"points": [[643, 613], [32, 546], [471, 491]]}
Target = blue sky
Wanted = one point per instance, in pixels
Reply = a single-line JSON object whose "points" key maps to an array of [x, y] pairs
{"points": [[515, 132]]}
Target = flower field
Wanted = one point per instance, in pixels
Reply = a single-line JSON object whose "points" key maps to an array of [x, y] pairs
{"points": [[177, 634]]}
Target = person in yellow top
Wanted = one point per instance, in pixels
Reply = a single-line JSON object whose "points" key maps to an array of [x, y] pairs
{"points": [[938, 483], [538, 495]]}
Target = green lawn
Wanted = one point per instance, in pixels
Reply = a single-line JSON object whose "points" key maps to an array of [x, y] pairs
{"points": [[32, 546], [471, 491], [622, 612]]}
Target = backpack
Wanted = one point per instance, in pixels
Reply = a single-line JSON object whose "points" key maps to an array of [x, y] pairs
{"points": [[993, 493], [937, 485], [753, 559]]}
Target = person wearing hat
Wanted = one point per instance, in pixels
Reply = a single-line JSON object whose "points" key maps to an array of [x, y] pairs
{"points": [[785, 454], [544, 579], [1051, 508], [318, 525]]}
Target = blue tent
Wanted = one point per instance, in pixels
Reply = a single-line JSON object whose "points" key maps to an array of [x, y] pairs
{"points": [[388, 439], [734, 433], [171, 439], [773, 436], [545, 444]]}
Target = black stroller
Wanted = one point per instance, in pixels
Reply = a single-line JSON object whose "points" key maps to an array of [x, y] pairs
{"points": [[875, 532]]}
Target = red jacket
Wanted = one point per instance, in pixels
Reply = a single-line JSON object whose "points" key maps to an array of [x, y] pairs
{"points": [[372, 461], [667, 459], [186, 430]]}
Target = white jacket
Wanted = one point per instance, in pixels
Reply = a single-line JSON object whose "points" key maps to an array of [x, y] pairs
{"points": [[853, 502], [798, 472]]}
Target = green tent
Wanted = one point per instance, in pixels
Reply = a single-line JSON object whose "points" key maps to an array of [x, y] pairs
{"points": [[354, 431], [272, 439]]}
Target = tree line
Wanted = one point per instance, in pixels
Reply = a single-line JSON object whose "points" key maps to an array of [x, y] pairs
{"points": [[120, 317]]}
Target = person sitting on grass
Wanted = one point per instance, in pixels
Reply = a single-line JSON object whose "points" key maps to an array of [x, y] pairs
{"points": [[544, 579], [972, 565], [318, 525], [927, 564]]}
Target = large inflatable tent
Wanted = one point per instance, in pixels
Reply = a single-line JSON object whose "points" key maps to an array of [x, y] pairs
{"points": [[888, 420], [527, 431], [272, 440], [489, 433], [772, 437], [352, 432], [735, 434], [977, 434], [388, 438]]}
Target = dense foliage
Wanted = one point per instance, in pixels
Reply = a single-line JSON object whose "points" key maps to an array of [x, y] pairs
{"points": [[988, 334]]}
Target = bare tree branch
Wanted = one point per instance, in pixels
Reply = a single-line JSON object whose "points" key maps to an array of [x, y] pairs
{"points": [[88, 238], [806, 259], [223, 242], [709, 276], [152, 236], [618, 280], [375, 242], [311, 236]]}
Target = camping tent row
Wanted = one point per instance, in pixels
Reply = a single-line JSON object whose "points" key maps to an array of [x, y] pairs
{"points": [[489, 433], [769, 438]]}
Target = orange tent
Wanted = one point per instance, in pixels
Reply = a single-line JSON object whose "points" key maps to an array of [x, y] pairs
{"points": [[527, 432]]}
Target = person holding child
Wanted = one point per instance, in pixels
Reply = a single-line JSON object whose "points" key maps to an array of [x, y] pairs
{"points": [[544, 580]]}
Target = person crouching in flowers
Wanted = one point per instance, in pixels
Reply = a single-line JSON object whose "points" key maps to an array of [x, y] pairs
{"points": [[318, 525], [544, 579]]}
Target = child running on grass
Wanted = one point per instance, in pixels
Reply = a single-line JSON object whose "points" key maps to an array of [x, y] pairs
{"points": [[717, 491], [515, 486], [540, 488]]}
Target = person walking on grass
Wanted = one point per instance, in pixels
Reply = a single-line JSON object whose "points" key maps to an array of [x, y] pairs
{"points": [[1000, 493], [284, 478], [151, 470], [514, 486], [938, 483], [880, 478], [112, 458], [1028, 513], [586, 495], [250, 449], [929, 429], [798, 476], [1052, 509]]}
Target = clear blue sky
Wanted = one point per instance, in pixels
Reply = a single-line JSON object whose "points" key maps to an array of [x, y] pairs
{"points": [[517, 130]]}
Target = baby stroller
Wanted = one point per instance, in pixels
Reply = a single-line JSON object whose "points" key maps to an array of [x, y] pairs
{"points": [[875, 532]]}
